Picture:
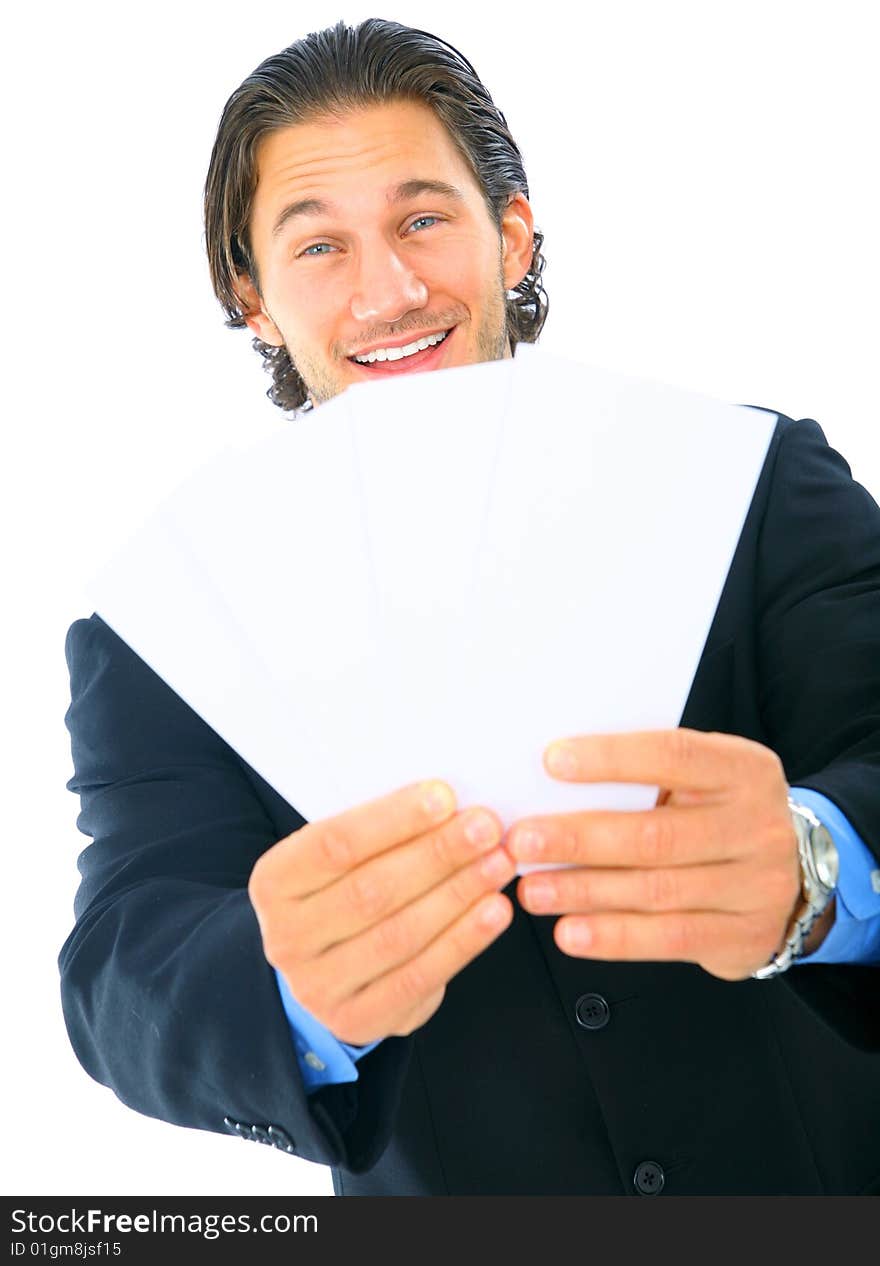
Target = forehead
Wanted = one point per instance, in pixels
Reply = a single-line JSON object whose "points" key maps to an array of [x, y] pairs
{"points": [[362, 151]]}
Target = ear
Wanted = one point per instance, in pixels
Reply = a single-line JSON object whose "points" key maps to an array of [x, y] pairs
{"points": [[517, 233], [256, 318]]}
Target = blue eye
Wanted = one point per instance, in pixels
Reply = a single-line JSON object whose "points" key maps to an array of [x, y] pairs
{"points": [[315, 245]]}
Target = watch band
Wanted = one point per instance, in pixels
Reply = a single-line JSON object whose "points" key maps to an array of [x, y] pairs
{"points": [[817, 895]]}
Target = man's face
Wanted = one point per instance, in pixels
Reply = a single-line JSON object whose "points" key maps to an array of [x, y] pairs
{"points": [[379, 267]]}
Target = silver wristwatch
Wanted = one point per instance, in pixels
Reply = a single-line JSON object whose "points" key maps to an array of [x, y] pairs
{"points": [[820, 865]]}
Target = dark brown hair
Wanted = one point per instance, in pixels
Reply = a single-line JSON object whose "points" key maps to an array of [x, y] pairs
{"points": [[330, 73]]}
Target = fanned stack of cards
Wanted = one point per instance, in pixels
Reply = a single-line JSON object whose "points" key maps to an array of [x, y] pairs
{"points": [[433, 576]]}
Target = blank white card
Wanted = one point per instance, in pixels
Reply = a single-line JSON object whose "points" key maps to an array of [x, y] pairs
{"points": [[437, 575]]}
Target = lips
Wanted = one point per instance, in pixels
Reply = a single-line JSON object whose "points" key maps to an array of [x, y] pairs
{"points": [[428, 359]]}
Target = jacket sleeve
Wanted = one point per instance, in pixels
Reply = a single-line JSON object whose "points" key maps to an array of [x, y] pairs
{"points": [[167, 995], [818, 648]]}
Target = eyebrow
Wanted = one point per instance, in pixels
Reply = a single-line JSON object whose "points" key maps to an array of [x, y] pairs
{"points": [[403, 192]]}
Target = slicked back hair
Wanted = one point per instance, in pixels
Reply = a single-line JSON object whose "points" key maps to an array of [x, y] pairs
{"points": [[331, 73]]}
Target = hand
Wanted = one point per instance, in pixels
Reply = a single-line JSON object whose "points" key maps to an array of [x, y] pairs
{"points": [[710, 875], [369, 914]]}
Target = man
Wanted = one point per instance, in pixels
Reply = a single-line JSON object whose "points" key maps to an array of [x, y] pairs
{"points": [[691, 1006]]}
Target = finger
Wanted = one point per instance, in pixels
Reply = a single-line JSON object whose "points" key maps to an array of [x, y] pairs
{"points": [[353, 964], [400, 992], [351, 967], [388, 883], [585, 890], [670, 836], [679, 758], [687, 936], [318, 853]]}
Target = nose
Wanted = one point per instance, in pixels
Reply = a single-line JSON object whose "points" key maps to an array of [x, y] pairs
{"points": [[386, 287]]}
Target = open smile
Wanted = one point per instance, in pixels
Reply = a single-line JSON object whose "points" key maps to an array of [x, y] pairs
{"points": [[429, 358]]}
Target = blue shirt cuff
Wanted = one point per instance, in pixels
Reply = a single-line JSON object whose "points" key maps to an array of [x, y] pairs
{"points": [[854, 936], [323, 1060]]}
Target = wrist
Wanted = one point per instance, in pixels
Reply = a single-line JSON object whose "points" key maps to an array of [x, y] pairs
{"points": [[821, 927], [814, 913]]}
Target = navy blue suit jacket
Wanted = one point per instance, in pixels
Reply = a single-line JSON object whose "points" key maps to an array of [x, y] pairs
{"points": [[762, 1087]]}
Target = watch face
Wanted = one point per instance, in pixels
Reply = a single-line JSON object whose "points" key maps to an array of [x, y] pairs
{"points": [[826, 857]]}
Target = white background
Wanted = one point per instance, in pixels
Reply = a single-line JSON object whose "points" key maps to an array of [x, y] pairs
{"points": [[705, 176]]}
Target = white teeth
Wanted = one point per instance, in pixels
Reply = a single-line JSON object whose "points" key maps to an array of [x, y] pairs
{"points": [[398, 353]]}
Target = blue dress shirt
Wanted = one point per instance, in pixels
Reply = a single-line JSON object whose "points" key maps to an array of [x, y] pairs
{"points": [[854, 937]]}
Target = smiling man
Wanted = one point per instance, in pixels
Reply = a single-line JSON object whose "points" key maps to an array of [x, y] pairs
{"points": [[372, 242], [348, 212], [690, 1005]]}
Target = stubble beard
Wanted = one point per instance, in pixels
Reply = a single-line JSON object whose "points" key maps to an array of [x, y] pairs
{"points": [[492, 344]]}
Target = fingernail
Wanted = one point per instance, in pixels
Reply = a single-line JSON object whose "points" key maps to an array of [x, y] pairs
{"points": [[495, 865], [575, 937], [539, 893], [527, 843], [437, 799], [561, 759], [480, 828], [494, 911]]}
